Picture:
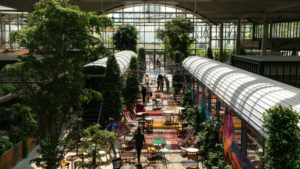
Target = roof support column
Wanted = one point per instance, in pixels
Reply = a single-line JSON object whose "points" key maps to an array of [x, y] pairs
{"points": [[2, 33], [265, 36], [238, 37], [210, 36], [221, 43], [244, 138]]}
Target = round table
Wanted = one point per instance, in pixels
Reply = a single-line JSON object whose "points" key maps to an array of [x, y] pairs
{"points": [[179, 108], [72, 158], [192, 150], [148, 118], [128, 167], [158, 142], [168, 112], [140, 113]]}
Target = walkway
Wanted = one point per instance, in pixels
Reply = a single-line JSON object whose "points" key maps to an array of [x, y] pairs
{"points": [[166, 132]]}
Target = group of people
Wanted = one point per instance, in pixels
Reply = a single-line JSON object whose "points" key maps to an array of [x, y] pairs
{"points": [[160, 82]]}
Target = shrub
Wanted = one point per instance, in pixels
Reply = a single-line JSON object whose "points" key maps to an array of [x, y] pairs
{"points": [[4, 145], [283, 142]]}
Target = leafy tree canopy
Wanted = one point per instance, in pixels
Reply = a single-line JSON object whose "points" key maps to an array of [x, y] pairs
{"points": [[132, 83], [126, 37], [176, 36], [112, 88], [55, 30], [283, 142]]}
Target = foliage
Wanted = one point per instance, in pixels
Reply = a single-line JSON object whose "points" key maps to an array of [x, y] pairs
{"points": [[141, 62], [283, 142], [112, 88], [186, 99], [4, 145], [209, 53], [194, 117], [178, 79], [176, 36], [25, 148], [243, 51], [216, 158], [211, 151], [96, 138], [54, 30], [126, 37], [132, 84]]}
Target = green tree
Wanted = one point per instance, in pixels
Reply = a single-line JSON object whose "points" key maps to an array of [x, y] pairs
{"points": [[209, 53], [132, 84], [176, 36], [126, 37], [54, 30], [112, 88], [141, 62], [283, 142]]}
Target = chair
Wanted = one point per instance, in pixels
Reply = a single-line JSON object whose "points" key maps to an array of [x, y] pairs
{"points": [[149, 125], [64, 164], [140, 108], [151, 151], [117, 163], [130, 119]]}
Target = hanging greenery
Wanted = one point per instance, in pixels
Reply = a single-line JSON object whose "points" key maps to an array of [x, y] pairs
{"points": [[283, 142], [112, 87], [126, 37]]}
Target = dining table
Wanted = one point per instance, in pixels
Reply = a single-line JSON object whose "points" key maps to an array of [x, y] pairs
{"points": [[72, 158]]}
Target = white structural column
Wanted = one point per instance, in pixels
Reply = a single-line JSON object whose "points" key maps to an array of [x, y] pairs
{"points": [[265, 36]]}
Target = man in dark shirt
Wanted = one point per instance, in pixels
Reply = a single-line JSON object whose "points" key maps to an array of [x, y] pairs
{"points": [[139, 142], [144, 90]]}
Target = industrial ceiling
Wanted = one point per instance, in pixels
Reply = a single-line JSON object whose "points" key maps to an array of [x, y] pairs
{"points": [[215, 11]]}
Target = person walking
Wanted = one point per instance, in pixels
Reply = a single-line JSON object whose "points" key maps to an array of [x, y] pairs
{"points": [[139, 142], [162, 84], [158, 82], [144, 91], [112, 127], [167, 83]]}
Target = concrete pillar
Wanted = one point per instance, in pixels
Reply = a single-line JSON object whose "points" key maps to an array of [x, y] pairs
{"points": [[244, 138], [238, 37], [221, 43], [265, 37]]}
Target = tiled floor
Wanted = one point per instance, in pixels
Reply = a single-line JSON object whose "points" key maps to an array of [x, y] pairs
{"points": [[171, 159]]}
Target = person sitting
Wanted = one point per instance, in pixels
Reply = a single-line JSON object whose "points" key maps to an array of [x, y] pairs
{"points": [[140, 108]]}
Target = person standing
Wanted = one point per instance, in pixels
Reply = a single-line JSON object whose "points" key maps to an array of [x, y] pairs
{"points": [[167, 83], [112, 127], [158, 82], [162, 84], [139, 142], [144, 91]]}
